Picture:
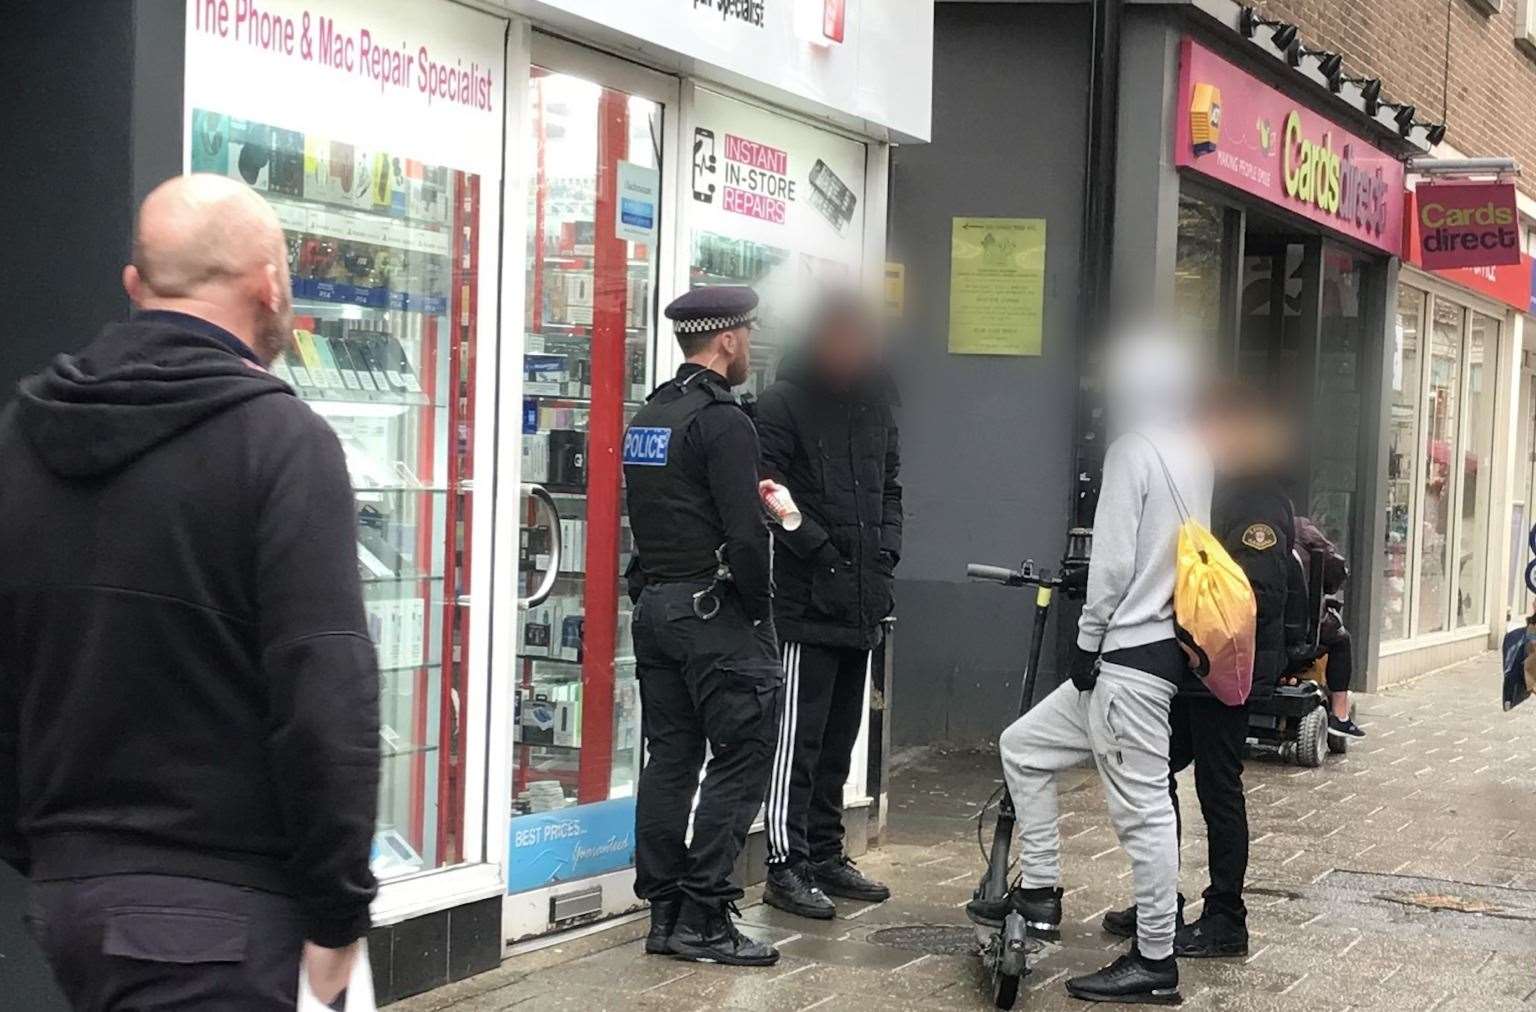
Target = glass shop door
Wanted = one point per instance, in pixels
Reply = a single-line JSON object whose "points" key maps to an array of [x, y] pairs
{"points": [[598, 149]]}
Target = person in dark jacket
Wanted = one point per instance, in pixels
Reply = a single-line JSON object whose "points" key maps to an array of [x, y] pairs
{"points": [[189, 699], [1253, 517], [828, 434], [1333, 638]]}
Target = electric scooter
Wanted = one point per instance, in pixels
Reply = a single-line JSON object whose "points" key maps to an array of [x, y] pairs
{"points": [[1005, 951]]}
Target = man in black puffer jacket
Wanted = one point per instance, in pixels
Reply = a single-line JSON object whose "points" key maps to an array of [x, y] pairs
{"points": [[1253, 517], [828, 434]]}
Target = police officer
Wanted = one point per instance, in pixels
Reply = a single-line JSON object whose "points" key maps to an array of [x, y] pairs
{"points": [[705, 650]]}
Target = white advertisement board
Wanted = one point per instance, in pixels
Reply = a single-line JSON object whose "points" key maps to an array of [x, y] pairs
{"points": [[422, 78], [869, 59], [776, 182]]}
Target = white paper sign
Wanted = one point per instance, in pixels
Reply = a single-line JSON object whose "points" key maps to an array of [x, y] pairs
{"points": [[635, 210]]}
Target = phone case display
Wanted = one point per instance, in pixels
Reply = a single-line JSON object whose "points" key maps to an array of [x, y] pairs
{"points": [[381, 251], [586, 369]]}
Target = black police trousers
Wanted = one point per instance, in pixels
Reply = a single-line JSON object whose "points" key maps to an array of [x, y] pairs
{"points": [[715, 682], [1211, 734], [164, 941]]}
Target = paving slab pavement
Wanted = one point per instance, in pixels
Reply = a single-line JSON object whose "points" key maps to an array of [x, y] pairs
{"points": [[1400, 876]]}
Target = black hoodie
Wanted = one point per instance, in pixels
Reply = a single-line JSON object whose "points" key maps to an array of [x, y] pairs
{"points": [[187, 686]]}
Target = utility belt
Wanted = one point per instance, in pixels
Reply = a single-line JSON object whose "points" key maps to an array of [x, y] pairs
{"points": [[706, 599]]}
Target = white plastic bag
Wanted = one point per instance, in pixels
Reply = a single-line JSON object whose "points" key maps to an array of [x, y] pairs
{"points": [[359, 994]]}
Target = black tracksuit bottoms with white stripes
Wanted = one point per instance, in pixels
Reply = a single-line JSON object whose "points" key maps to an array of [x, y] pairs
{"points": [[823, 707]]}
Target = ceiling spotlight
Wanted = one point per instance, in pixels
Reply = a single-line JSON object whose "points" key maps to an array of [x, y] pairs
{"points": [[1283, 36], [1370, 91], [1403, 117], [1434, 133], [1330, 65]]}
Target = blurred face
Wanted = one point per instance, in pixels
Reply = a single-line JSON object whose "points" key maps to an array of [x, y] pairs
{"points": [[1248, 441], [846, 348]]}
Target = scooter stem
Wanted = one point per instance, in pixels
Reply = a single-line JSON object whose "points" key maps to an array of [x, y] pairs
{"points": [[1036, 638]]}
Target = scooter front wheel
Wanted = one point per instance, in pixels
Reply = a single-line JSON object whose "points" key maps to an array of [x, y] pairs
{"points": [[1005, 989]]}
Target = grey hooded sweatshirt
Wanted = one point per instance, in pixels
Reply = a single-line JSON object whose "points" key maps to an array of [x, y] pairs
{"points": [[1151, 389]]}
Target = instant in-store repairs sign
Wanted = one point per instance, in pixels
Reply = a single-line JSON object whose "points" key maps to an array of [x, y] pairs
{"points": [[1239, 131]]}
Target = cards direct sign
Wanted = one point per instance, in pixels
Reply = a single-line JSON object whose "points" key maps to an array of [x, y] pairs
{"points": [[1239, 131], [1467, 224]]}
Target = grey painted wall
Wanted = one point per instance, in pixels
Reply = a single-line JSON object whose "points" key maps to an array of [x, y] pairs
{"points": [[92, 122], [986, 441]]}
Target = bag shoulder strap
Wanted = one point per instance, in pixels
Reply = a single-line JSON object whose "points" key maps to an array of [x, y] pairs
{"points": [[1173, 488]]}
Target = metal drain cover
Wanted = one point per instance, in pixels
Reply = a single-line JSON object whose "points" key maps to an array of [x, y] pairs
{"points": [[934, 939]]}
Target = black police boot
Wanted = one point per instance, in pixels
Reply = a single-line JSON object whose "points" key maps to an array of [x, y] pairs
{"points": [[663, 920], [1214, 935], [841, 877], [1123, 922], [1040, 908], [706, 934], [791, 889], [1133, 980]]}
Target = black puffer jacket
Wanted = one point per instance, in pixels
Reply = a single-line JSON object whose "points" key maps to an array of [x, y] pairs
{"points": [[838, 454], [1256, 523]]}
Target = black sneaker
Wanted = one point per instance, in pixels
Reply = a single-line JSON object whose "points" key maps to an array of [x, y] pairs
{"points": [[1339, 728], [841, 877], [1123, 922], [791, 889], [663, 920], [1040, 908], [708, 935], [1211, 937], [1133, 980]]}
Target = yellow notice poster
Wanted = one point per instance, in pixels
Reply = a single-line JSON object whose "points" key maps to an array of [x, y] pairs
{"points": [[996, 285]]}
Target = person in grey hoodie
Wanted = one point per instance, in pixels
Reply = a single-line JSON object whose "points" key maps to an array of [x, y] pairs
{"points": [[1126, 669]]}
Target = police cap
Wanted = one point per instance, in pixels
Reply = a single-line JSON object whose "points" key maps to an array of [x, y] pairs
{"points": [[713, 309]]}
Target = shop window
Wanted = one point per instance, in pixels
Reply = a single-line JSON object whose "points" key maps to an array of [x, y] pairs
{"points": [[1402, 464], [1198, 270], [1442, 416], [1335, 441], [1481, 367]]}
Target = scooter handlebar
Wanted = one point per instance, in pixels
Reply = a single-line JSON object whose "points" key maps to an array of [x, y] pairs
{"points": [[978, 571]]}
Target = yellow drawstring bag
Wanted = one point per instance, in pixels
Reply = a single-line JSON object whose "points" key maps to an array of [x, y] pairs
{"points": [[1214, 610]]}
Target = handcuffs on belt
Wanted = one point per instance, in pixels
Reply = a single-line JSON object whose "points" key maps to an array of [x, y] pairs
{"points": [[706, 602]]}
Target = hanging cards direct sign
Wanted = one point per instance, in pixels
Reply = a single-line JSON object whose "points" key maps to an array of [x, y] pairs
{"points": [[1239, 131], [996, 285], [1466, 224]]}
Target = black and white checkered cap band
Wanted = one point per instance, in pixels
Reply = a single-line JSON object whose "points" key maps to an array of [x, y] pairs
{"points": [[710, 324]]}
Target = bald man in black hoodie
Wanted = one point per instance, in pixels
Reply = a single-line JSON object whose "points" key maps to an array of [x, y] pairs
{"points": [[188, 694]]}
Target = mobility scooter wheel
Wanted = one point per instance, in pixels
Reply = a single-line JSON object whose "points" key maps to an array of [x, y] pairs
{"points": [[1312, 738], [1338, 744]]}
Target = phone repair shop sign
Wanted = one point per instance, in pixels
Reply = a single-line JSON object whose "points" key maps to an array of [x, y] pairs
{"points": [[1465, 225], [571, 843]]}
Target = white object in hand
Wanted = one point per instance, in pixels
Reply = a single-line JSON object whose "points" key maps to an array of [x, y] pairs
{"points": [[780, 504], [329, 971]]}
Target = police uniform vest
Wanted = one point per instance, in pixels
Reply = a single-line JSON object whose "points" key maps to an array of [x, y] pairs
{"points": [[673, 516]]}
